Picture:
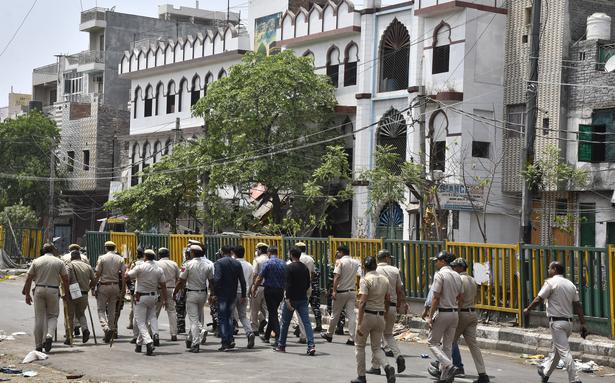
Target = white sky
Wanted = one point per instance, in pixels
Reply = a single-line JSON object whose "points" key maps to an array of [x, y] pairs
{"points": [[53, 28]]}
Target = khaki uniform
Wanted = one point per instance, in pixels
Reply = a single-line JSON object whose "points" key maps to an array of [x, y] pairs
{"points": [[46, 272], [131, 314], [468, 321], [149, 276], [560, 294], [392, 275], [376, 287], [108, 268], [171, 275], [196, 273], [448, 284], [258, 306], [347, 269], [67, 258], [82, 273]]}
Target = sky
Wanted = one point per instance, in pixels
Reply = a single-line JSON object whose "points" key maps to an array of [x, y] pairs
{"points": [[52, 28]]}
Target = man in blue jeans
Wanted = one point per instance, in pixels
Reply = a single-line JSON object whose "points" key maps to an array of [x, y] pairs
{"points": [[273, 273], [227, 274], [297, 284]]}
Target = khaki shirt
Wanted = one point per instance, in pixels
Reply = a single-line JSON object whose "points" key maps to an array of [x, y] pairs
{"points": [[259, 262], [559, 294], [148, 275], [196, 272], [469, 291], [170, 270], [67, 258], [348, 270], [308, 261], [80, 272], [47, 269], [108, 267], [392, 274], [447, 283], [376, 287]]}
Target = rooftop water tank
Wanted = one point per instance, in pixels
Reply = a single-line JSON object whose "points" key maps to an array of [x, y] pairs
{"points": [[599, 27]]}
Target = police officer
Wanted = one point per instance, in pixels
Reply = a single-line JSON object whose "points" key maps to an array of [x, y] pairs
{"points": [[109, 271], [397, 305], [131, 289], [444, 314], [67, 259], [258, 306], [194, 277], [47, 271], [562, 301], [374, 299], [468, 319], [180, 297], [171, 275], [82, 273], [343, 294], [149, 279]]}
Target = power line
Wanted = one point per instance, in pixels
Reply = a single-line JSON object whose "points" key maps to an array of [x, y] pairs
{"points": [[18, 29]]}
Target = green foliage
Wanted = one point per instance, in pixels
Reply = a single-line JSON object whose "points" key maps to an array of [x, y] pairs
{"points": [[549, 170], [169, 190], [18, 216], [26, 145]]}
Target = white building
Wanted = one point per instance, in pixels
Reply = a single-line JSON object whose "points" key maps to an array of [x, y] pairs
{"points": [[379, 58]]}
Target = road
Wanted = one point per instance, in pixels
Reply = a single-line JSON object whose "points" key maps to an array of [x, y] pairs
{"points": [[171, 363]]}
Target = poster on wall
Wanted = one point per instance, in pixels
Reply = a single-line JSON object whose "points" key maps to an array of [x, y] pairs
{"points": [[265, 31]]}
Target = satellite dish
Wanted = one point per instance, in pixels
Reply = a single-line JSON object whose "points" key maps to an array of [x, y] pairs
{"points": [[610, 65]]}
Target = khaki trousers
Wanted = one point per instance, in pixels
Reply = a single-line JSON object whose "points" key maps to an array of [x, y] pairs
{"points": [[46, 310], [170, 309], [76, 309], [145, 313], [258, 308], [441, 338], [560, 331], [195, 304], [372, 326], [389, 340], [344, 302], [467, 327], [106, 301]]}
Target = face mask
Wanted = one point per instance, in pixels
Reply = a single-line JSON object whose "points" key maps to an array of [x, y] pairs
{"points": [[256, 253]]}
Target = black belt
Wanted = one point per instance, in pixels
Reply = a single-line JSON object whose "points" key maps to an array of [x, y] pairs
{"points": [[560, 319], [392, 304], [344, 291], [49, 287], [140, 293], [84, 292], [108, 283], [197, 291], [468, 310], [447, 310], [374, 312]]}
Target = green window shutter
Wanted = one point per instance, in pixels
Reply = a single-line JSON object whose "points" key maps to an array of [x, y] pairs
{"points": [[585, 145]]}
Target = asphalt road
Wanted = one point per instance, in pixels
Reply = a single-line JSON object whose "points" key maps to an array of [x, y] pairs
{"points": [[334, 362]]}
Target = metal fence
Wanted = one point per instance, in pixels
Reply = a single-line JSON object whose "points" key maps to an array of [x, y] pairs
{"points": [[213, 243], [611, 282], [153, 241], [249, 242], [319, 249], [126, 245], [95, 245], [177, 244]]}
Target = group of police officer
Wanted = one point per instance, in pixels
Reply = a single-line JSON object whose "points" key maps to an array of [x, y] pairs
{"points": [[155, 281]]}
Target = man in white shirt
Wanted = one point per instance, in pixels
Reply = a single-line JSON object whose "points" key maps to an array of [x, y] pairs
{"points": [[241, 306]]}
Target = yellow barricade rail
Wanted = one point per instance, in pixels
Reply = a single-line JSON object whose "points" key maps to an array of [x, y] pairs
{"points": [[177, 244], [360, 248], [1, 237], [611, 284], [503, 291], [126, 245], [249, 243], [31, 243]]}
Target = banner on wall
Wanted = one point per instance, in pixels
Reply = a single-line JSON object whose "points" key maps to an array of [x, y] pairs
{"points": [[461, 197], [265, 31]]}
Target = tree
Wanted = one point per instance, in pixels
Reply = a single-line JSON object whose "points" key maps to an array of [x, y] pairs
{"points": [[26, 149], [169, 190], [266, 106], [18, 216]]}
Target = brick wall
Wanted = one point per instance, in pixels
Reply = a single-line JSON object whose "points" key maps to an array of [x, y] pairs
{"points": [[586, 72]]}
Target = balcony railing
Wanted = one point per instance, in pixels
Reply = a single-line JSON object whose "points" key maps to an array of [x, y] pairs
{"points": [[89, 57], [93, 14]]}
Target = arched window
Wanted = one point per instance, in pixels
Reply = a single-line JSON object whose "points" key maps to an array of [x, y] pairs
{"points": [[195, 93], [147, 155], [157, 152], [394, 57], [149, 96], [135, 159], [221, 74], [136, 101], [209, 78], [351, 58], [171, 97], [392, 131], [309, 54], [333, 65], [438, 130], [159, 97], [167, 147], [390, 222], [441, 48], [183, 92]]}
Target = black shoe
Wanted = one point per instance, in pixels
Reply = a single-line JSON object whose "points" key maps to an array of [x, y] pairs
{"points": [[435, 364], [318, 328], [86, 335], [173, 338], [156, 340], [133, 341], [311, 351], [47, 344], [541, 372], [359, 379], [107, 337], [223, 347], [138, 348], [265, 340], [389, 353], [67, 342], [195, 349], [297, 331], [374, 371], [401, 364], [231, 347], [150, 348], [451, 374], [326, 336], [188, 343], [482, 378], [279, 349], [262, 326], [350, 342], [113, 334], [251, 338], [460, 372], [339, 331], [77, 332], [390, 372], [434, 372], [204, 337], [39, 349]]}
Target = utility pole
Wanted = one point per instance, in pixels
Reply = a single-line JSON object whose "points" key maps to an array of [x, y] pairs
{"points": [[177, 131], [423, 160], [52, 176], [228, 10], [530, 124]]}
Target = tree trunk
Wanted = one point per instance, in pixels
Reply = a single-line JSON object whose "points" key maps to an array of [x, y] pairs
{"points": [[276, 208]]}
